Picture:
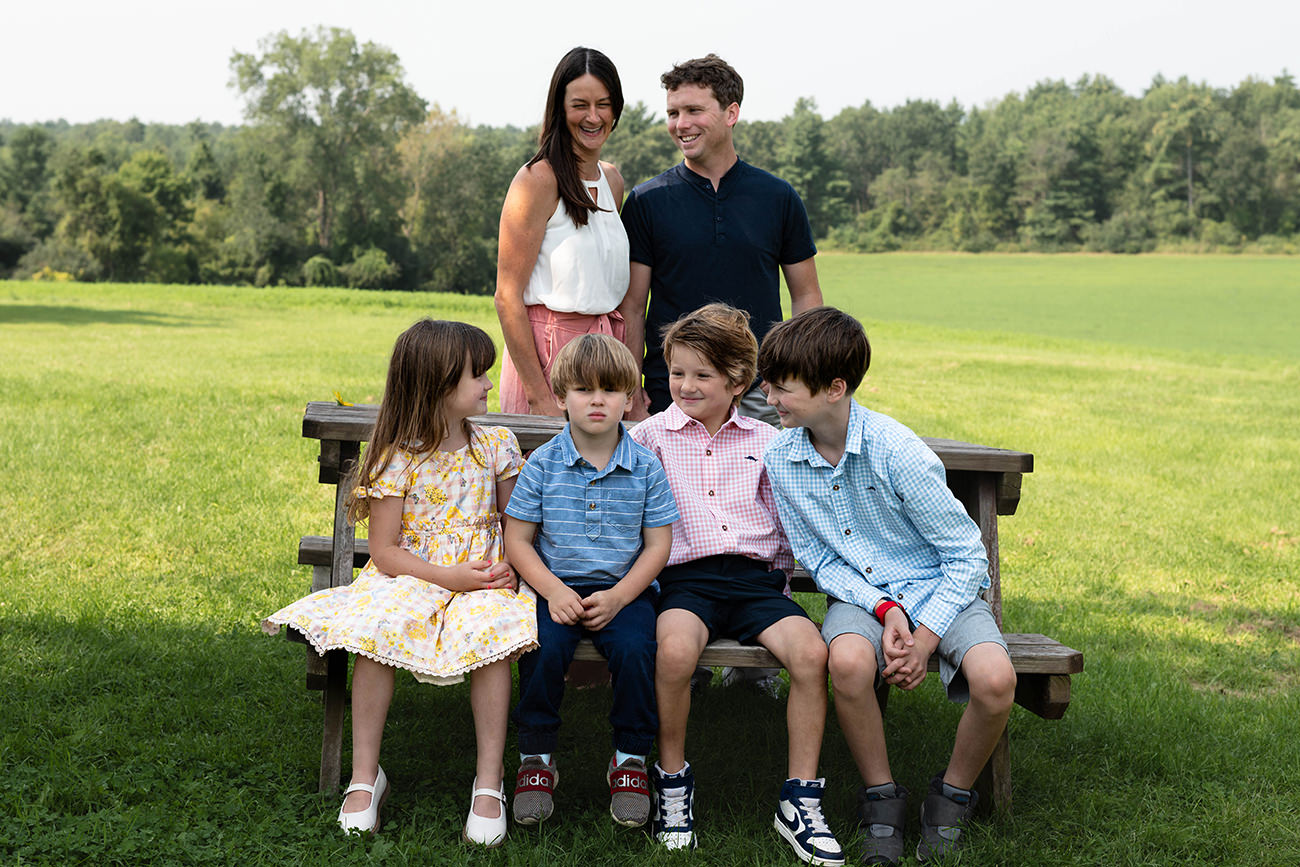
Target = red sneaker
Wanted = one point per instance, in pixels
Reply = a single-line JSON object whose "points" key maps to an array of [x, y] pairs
{"points": [[534, 791], [629, 792]]}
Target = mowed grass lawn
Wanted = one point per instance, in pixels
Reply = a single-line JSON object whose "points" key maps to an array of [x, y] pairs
{"points": [[156, 485]]}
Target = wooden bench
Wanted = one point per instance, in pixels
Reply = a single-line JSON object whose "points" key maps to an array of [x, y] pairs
{"points": [[986, 480]]}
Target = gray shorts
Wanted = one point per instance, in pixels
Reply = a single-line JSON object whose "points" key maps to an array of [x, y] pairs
{"points": [[974, 625]]}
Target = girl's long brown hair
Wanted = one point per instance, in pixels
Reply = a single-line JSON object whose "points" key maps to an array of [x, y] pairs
{"points": [[428, 361]]}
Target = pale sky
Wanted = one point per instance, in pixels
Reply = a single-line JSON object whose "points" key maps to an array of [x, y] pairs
{"points": [[491, 61]]}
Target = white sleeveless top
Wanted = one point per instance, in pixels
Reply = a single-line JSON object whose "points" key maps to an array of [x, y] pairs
{"points": [[582, 269]]}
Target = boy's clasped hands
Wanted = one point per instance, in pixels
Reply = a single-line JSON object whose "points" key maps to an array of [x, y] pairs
{"points": [[905, 655], [592, 612]]}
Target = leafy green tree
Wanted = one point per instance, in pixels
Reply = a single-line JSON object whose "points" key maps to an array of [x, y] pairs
{"points": [[854, 141], [452, 204], [802, 159], [24, 169], [336, 110], [133, 222], [1182, 135], [258, 229], [758, 142], [201, 169]]}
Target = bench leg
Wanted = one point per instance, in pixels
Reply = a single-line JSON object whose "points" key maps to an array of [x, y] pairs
{"points": [[331, 748], [994, 783]]}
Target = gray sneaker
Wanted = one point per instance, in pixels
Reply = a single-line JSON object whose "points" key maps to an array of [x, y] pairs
{"points": [[767, 681], [881, 818], [944, 820], [534, 791], [629, 792]]}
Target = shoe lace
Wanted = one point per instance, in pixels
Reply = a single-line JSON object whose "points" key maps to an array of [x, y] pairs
{"points": [[674, 805], [813, 820]]}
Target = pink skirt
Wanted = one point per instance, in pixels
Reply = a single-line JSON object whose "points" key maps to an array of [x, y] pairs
{"points": [[551, 330]]}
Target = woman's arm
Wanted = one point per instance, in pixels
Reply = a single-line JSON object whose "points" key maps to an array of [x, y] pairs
{"points": [[616, 185], [529, 203]]}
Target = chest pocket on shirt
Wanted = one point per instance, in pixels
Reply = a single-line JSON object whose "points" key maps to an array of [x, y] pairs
{"points": [[876, 501], [620, 510]]}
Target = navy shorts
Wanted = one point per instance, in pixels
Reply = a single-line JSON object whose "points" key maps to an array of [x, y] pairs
{"points": [[734, 596]]}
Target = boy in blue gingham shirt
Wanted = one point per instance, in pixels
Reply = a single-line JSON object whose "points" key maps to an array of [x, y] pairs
{"points": [[868, 512], [589, 527]]}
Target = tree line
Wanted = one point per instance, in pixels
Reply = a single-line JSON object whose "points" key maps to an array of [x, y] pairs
{"points": [[344, 175]]}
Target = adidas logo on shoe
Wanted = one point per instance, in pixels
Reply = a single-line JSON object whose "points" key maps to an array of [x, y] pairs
{"points": [[629, 792], [631, 781]]}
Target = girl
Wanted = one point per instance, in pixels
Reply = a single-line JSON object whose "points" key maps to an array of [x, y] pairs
{"points": [[437, 597]]}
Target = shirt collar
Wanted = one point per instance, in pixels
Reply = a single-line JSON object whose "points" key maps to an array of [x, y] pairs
{"points": [[675, 419], [686, 174], [855, 438], [624, 453], [858, 433]]}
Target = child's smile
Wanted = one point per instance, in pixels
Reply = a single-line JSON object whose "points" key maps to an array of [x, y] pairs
{"points": [[698, 389]]}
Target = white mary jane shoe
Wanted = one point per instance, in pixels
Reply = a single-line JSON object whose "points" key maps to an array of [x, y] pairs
{"points": [[367, 819], [480, 829]]}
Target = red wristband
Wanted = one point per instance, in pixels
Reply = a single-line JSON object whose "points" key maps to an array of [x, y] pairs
{"points": [[883, 608]]}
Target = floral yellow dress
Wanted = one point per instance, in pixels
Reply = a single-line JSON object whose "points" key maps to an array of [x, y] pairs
{"points": [[450, 515]]}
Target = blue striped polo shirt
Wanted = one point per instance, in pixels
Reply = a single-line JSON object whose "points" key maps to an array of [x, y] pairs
{"points": [[589, 521]]}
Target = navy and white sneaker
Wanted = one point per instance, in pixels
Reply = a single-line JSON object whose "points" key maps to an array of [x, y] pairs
{"points": [[800, 821], [674, 807]]}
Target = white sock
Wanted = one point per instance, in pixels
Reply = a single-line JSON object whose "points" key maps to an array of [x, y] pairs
{"points": [[620, 757], [545, 757]]}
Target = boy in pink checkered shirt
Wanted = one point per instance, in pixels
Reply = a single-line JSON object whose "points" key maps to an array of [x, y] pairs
{"points": [[727, 574]]}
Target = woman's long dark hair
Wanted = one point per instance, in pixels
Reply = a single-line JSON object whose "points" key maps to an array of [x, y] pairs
{"points": [[555, 145]]}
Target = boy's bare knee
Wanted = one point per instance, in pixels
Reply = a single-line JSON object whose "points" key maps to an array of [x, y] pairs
{"points": [[677, 656], [808, 660], [852, 666], [994, 685]]}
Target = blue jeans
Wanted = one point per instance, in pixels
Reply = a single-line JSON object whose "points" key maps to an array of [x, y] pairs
{"points": [[627, 642]]}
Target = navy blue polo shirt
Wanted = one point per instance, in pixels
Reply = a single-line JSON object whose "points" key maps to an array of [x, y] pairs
{"points": [[704, 245]]}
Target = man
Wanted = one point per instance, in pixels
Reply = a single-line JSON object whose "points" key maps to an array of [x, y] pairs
{"points": [[712, 228]]}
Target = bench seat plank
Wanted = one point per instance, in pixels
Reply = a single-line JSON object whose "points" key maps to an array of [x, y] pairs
{"points": [[1043, 666]]}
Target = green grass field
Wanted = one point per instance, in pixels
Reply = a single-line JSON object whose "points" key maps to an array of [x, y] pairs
{"points": [[156, 485]]}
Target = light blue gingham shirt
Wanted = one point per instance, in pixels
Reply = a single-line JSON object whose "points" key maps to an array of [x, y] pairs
{"points": [[589, 521], [882, 523]]}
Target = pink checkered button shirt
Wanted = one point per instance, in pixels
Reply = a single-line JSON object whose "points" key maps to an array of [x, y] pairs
{"points": [[721, 487]]}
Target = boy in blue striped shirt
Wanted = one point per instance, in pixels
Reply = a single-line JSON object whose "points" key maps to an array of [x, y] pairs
{"points": [[867, 509], [589, 528]]}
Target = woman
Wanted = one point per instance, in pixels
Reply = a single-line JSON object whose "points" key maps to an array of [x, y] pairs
{"points": [[562, 265]]}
